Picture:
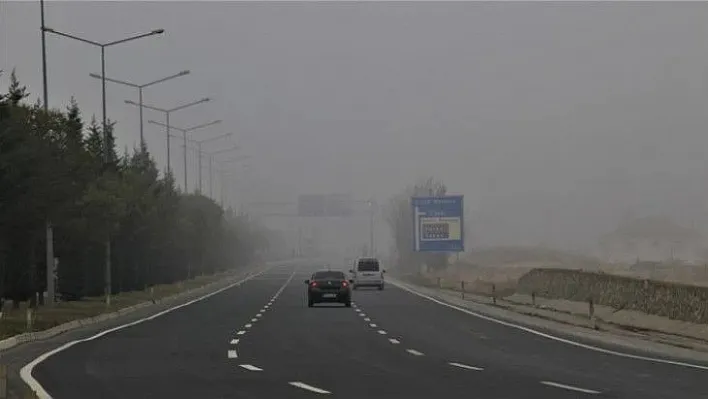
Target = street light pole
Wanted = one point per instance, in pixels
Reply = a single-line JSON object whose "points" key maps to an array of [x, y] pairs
{"points": [[49, 230], [167, 125], [106, 144], [184, 138], [140, 88], [201, 153]]}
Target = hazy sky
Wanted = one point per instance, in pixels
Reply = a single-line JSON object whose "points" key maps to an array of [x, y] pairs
{"points": [[552, 118]]}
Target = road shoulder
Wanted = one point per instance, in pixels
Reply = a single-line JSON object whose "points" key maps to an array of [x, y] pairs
{"points": [[17, 356], [559, 324]]}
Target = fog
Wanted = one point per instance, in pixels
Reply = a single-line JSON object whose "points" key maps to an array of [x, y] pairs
{"points": [[554, 120]]}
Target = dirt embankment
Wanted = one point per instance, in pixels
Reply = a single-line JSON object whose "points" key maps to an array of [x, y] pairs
{"points": [[503, 267]]}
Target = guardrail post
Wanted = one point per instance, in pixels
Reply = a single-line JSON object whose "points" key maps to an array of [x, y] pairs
{"points": [[494, 293], [533, 298], [591, 312], [152, 295], [439, 286], [29, 319], [462, 288], [3, 381]]}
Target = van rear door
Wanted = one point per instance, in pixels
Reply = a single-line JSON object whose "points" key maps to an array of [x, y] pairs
{"points": [[368, 270]]}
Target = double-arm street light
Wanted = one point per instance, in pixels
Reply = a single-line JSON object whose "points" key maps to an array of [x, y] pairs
{"points": [[140, 88], [167, 112], [211, 165], [184, 137], [106, 144], [200, 154], [226, 173]]}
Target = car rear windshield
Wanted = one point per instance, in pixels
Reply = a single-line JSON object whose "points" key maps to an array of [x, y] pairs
{"points": [[328, 275], [368, 266]]}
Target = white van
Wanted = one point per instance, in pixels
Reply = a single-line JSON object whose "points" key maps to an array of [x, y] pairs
{"points": [[368, 272]]}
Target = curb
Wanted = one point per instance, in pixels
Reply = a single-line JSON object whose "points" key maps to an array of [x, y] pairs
{"points": [[34, 336]]}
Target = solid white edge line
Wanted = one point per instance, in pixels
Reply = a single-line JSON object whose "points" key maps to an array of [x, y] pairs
{"points": [[250, 367], [310, 388], [26, 370], [232, 354], [569, 387], [394, 341], [414, 352], [549, 336], [464, 366]]}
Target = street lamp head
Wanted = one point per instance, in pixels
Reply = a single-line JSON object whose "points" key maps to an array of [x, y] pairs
{"points": [[186, 72], [131, 102], [95, 75], [158, 31], [47, 29]]}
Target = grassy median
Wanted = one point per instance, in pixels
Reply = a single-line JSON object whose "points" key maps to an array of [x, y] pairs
{"points": [[14, 321]]}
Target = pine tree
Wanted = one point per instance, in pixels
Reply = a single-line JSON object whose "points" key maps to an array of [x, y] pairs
{"points": [[74, 133], [3, 96], [16, 91], [94, 142]]}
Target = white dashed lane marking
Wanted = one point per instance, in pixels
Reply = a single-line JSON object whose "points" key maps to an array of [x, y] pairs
{"points": [[251, 367], [234, 342], [254, 320], [372, 325], [394, 341], [569, 387], [232, 354], [466, 367], [310, 388], [248, 325], [382, 332], [414, 352], [240, 332]]}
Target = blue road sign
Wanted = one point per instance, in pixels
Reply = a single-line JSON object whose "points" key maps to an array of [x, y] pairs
{"points": [[438, 224]]}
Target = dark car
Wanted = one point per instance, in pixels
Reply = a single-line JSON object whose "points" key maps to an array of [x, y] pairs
{"points": [[329, 286]]}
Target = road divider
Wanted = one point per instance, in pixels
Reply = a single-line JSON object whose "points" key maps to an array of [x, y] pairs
{"points": [[414, 352], [307, 387], [570, 387], [466, 367], [250, 367]]}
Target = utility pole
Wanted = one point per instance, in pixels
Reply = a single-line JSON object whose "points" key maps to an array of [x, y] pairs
{"points": [[49, 230]]}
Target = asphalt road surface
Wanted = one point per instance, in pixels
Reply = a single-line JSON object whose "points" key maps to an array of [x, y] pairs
{"points": [[260, 340]]}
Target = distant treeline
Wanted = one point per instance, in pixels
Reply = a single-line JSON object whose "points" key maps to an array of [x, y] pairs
{"points": [[53, 167]]}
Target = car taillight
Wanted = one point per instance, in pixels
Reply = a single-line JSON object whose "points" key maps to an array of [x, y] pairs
{"points": [[313, 284], [344, 284]]}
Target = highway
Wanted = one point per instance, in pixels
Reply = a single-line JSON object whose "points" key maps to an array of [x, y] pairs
{"points": [[260, 340]]}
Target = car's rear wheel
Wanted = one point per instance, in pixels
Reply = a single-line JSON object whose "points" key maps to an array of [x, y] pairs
{"points": [[348, 303], [310, 303], [381, 287]]}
